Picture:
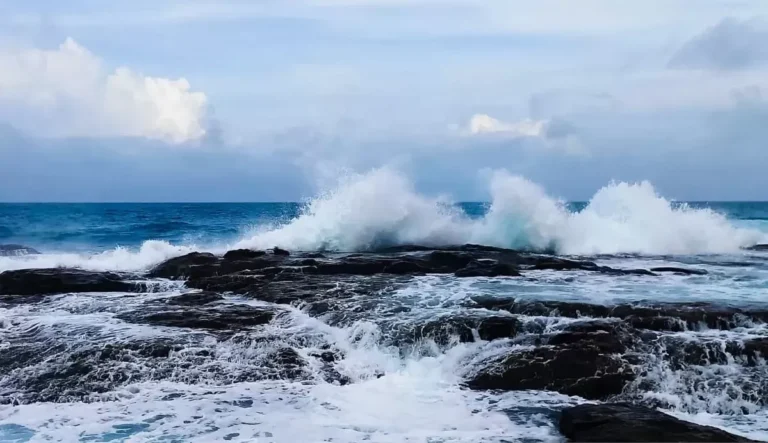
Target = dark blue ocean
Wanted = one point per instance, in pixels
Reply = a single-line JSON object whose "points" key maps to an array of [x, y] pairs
{"points": [[95, 227]]}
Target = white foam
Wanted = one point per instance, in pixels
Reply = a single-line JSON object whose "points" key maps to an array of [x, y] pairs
{"points": [[150, 253], [381, 208]]}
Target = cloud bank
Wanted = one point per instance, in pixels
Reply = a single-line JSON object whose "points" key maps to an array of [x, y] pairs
{"points": [[731, 44], [67, 92]]}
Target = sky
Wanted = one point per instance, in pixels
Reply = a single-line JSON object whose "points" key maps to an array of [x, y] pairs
{"points": [[274, 100]]}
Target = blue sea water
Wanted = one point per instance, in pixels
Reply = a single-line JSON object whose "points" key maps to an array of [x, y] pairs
{"points": [[95, 227]]}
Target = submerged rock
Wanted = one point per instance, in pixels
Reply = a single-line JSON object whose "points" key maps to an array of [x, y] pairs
{"points": [[60, 281], [13, 250], [630, 423]]}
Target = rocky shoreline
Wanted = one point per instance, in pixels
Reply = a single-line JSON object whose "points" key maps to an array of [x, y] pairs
{"points": [[600, 355]]}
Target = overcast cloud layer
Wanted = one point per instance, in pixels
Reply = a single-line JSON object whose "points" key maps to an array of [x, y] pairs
{"points": [[262, 100]]}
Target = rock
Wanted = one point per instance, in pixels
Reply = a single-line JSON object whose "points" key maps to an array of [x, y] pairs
{"points": [[495, 270], [630, 423], [229, 318], [681, 271], [404, 267], [195, 299], [558, 264], [181, 267], [756, 350], [243, 254], [468, 329], [448, 261], [280, 252], [760, 247], [61, 281], [583, 361], [16, 250]]}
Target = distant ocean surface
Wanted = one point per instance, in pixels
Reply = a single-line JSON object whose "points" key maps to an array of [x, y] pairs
{"points": [[339, 361], [98, 227]]}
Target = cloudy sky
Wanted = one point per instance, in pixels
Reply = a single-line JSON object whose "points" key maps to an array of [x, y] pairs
{"points": [[272, 99]]}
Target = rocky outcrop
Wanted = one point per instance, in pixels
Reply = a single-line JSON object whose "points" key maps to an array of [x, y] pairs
{"points": [[221, 318], [181, 267], [631, 423], [14, 250], [584, 361], [60, 281]]}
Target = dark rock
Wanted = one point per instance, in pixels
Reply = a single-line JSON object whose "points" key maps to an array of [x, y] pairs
{"points": [[448, 261], [231, 317], [404, 267], [756, 350], [468, 329], [761, 247], [60, 281], [681, 271], [558, 264], [181, 267], [630, 423], [195, 299], [243, 254], [16, 250], [280, 252], [582, 360], [585, 371], [495, 270]]}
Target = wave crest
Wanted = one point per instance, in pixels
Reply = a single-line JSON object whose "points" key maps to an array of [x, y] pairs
{"points": [[381, 208]]}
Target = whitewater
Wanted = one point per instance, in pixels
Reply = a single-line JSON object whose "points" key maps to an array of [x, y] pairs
{"points": [[381, 209]]}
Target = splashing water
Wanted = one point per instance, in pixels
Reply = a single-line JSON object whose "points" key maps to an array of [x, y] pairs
{"points": [[382, 209]]}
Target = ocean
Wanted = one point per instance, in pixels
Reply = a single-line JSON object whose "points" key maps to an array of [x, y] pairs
{"points": [[59, 383]]}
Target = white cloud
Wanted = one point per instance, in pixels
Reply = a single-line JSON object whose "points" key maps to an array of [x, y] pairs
{"points": [[555, 134], [485, 124], [68, 92]]}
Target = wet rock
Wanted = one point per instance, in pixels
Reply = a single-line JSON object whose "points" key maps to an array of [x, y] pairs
{"points": [[447, 261], [181, 267], [680, 271], [61, 281], [243, 254], [467, 329], [630, 423], [280, 252], [195, 299], [756, 350], [404, 267], [493, 270], [761, 247], [580, 370], [584, 360], [13, 250], [224, 318]]}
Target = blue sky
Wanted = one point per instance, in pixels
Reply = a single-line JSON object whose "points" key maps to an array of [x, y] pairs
{"points": [[269, 100]]}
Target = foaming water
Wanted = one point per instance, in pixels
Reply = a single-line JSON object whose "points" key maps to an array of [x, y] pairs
{"points": [[395, 395], [150, 253], [382, 209]]}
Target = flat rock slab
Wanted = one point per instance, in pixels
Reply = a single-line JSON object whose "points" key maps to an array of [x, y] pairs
{"points": [[621, 422], [61, 281]]}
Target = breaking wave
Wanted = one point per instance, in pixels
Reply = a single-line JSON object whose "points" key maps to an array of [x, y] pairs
{"points": [[381, 208]]}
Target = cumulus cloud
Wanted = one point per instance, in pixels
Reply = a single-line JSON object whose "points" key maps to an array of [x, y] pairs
{"points": [[67, 91], [730, 44], [555, 133], [485, 124]]}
